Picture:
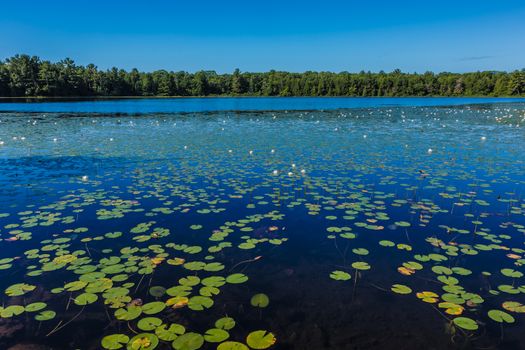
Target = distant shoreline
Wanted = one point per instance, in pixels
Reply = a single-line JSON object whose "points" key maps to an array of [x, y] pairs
{"points": [[92, 98], [30, 77]]}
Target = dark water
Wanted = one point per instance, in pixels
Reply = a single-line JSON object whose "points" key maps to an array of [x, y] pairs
{"points": [[283, 198]]}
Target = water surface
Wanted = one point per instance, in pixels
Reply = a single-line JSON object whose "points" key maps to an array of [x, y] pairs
{"points": [[170, 105], [398, 227]]}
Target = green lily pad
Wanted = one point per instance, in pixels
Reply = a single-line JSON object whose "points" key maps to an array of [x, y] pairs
{"points": [[511, 273], [260, 300], [129, 313], [35, 307], [466, 323], [114, 341], [225, 323], [85, 299], [199, 303], [11, 310], [232, 345], [360, 251], [401, 289], [260, 339], [170, 333], [19, 289], [237, 278], [188, 341], [149, 323], [143, 341], [501, 316], [45, 315], [153, 308], [216, 335], [340, 275], [361, 265]]}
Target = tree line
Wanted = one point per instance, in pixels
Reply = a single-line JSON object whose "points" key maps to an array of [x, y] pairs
{"points": [[23, 75]]}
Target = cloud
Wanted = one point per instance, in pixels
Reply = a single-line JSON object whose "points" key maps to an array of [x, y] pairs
{"points": [[475, 58]]}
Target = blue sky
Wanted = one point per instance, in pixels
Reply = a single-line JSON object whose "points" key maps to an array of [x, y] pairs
{"points": [[445, 35]]}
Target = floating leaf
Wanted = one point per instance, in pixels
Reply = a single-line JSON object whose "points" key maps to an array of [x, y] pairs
{"points": [[361, 265], [45, 315], [226, 323], [340, 275], [114, 341], [232, 345], [169, 333], [199, 303], [188, 341], [153, 308], [466, 323], [216, 335], [143, 341], [149, 323], [237, 278], [401, 289], [260, 339], [19, 289], [129, 313], [500, 316], [35, 307], [85, 299], [260, 300]]}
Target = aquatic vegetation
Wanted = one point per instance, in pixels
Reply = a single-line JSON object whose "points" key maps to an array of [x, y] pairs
{"points": [[466, 323], [260, 300], [176, 230], [260, 339], [340, 275]]}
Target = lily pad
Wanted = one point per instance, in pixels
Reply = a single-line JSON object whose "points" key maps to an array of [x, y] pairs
{"points": [[260, 339], [340, 275], [401, 289], [466, 323], [216, 335], [260, 300], [114, 341], [85, 299], [225, 323], [232, 345], [143, 341], [237, 278], [188, 341], [149, 323], [501, 316]]}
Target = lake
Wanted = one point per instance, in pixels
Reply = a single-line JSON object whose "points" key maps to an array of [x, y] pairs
{"points": [[171, 105], [262, 223]]}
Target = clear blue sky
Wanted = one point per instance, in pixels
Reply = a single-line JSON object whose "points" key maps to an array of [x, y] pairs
{"points": [[221, 35]]}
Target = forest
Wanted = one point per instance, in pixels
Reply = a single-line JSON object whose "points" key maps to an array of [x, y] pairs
{"points": [[30, 76]]}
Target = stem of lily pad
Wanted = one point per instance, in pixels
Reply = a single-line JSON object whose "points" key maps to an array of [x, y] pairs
{"points": [[138, 285], [449, 320], [68, 301], [245, 262], [150, 280], [65, 324], [58, 325], [131, 329], [88, 250], [380, 288], [339, 250]]}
